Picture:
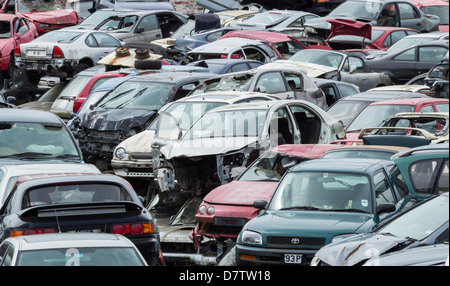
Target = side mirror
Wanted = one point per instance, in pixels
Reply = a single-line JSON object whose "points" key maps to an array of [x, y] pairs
{"points": [[139, 30], [261, 89], [386, 208], [11, 99], [260, 204]]}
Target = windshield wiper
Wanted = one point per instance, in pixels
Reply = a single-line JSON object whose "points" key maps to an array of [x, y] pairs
{"points": [[308, 208], [67, 156], [348, 210], [28, 155]]}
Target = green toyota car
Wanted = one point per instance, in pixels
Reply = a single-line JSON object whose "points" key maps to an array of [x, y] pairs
{"points": [[318, 202]]}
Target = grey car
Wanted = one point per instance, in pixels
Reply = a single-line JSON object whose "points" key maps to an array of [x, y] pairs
{"points": [[398, 13]]}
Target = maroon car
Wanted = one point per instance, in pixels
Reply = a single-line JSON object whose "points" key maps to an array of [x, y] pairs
{"points": [[226, 209], [47, 15]]}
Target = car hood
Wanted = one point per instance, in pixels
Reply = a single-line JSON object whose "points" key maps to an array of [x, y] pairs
{"points": [[241, 193], [116, 119], [60, 17], [308, 223], [203, 146], [358, 248], [140, 142], [312, 70], [37, 105]]}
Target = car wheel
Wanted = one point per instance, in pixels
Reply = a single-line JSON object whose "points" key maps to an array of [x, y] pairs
{"points": [[31, 78]]}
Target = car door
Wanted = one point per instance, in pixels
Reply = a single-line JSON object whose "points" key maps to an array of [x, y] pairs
{"points": [[428, 57], [147, 29], [410, 17], [281, 128], [21, 27], [353, 72], [308, 125], [168, 23], [100, 44], [402, 65], [272, 82]]}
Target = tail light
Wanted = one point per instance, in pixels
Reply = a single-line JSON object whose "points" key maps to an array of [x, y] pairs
{"points": [[132, 228], [32, 231], [57, 52], [17, 51]]}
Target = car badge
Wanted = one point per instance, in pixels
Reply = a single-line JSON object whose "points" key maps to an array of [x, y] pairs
{"points": [[295, 241]]}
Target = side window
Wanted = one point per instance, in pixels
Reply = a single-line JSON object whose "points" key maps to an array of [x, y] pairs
{"points": [[387, 16], [400, 187], [23, 27], [442, 107], [407, 11], [432, 54], [422, 174], [442, 181], [297, 23], [408, 55], [330, 94], [309, 125], [383, 191], [239, 67], [184, 90], [9, 257], [428, 108], [254, 54], [295, 81], [356, 65], [280, 129], [91, 41], [148, 23], [214, 36], [105, 40], [271, 82], [3, 252], [347, 90], [394, 37]]}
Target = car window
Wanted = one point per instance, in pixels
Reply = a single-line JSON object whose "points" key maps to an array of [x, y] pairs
{"points": [[387, 16], [428, 108], [432, 54], [271, 82], [105, 40], [330, 94], [383, 191], [297, 22], [442, 181], [393, 38], [238, 67], [148, 23], [255, 54], [407, 11], [3, 252], [422, 174], [294, 81], [442, 107], [400, 187], [280, 129], [214, 36], [356, 65], [408, 55], [347, 90]]}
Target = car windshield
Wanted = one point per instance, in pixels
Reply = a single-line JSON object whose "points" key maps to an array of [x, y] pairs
{"points": [[187, 113], [80, 256], [96, 18], [373, 115], [240, 82], [25, 6], [241, 123], [5, 30], [358, 9], [25, 140], [323, 190], [318, 57], [74, 194], [135, 94], [119, 24], [346, 110], [441, 11], [270, 166], [434, 125], [59, 36], [265, 18], [421, 221]]}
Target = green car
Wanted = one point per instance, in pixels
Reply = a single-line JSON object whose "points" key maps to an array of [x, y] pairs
{"points": [[318, 202]]}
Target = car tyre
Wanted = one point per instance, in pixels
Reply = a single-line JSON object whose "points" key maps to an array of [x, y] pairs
{"points": [[148, 64], [31, 78]]}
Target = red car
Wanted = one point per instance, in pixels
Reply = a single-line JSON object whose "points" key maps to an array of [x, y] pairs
{"points": [[14, 30], [47, 15], [373, 114], [438, 8], [283, 45], [226, 209]]}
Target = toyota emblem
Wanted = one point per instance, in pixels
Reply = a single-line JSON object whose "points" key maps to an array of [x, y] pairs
{"points": [[295, 241]]}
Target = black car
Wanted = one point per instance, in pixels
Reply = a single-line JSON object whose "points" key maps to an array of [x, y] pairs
{"points": [[406, 64], [80, 203], [127, 110]]}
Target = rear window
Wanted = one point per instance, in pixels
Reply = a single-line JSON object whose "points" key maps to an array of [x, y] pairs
{"points": [[424, 173], [74, 193]]}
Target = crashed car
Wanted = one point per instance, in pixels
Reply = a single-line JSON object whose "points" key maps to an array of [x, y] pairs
{"points": [[48, 15], [424, 224], [318, 202], [133, 4], [437, 79], [62, 53], [336, 65], [409, 129], [284, 82], [132, 158], [224, 210], [398, 13], [224, 141], [127, 110]]}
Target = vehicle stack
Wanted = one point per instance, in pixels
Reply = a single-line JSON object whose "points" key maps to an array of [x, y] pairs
{"points": [[141, 133]]}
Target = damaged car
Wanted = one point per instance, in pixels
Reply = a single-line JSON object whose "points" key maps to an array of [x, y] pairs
{"points": [[224, 141], [337, 65], [437, 79], [424, 224], [128, 109], [284, 82]]}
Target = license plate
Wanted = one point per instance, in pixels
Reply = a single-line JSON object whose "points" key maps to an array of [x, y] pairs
{"points": [[293, 258], [230, 221], [36, 53], [97, 230]]}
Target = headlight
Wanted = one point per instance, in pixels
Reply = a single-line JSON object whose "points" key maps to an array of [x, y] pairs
{"points": [[210, 210], [202, 209], [252, 237], [315, 261], [44, 25], [121, 153]]}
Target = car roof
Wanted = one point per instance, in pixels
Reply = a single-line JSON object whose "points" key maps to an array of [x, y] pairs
{"points": [[383, 95], [267, 36], [356, 165], [410, 101], [29, 116], [432, 148], [304, 150], [224, 96], [69, 240], [171, 76]]}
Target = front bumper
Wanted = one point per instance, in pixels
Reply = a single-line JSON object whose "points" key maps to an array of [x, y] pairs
{"points": [[133, 169], [270, 256]]}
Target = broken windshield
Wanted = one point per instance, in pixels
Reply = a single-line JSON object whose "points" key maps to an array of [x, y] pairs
{"points": [[239, 82], [25, 6]]}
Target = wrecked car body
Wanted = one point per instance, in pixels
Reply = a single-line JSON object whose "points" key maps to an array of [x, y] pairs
{"points": [[339, 66], [411, 229], [127, 110], [224, 141], [437, 80], [282, 81]]}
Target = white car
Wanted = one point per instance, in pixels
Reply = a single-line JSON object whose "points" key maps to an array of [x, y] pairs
{"points": [[63, 53], [11, 172], [70, 249]]}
